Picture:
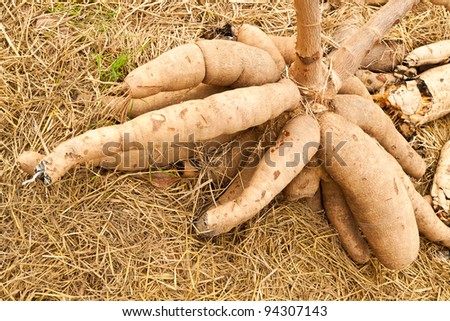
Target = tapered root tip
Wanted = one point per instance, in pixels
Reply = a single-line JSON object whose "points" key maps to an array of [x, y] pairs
{"points": [[27, 161], [209, 225], [202, 228], [122, 89]]}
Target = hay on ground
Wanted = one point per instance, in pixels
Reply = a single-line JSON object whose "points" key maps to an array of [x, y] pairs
{"points": [[99, 235]]}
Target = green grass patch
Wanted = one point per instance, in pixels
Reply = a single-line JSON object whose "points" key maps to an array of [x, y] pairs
{"points": [[113, 69], [72, 8]]}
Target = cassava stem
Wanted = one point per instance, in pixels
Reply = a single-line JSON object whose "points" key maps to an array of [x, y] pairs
{"points": [[347, 59], [308, 70]]}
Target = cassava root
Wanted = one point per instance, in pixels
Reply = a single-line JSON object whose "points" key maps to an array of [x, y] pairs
{"points": [[370, 118], [277, 168], [341, 217], [215, 62], [239, 109], [373, 191]]}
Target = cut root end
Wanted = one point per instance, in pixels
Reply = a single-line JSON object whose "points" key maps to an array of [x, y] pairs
{"points": [[39, 173]]}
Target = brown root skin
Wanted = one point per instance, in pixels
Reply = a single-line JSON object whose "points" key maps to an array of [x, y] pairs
{"points": [[372, 189], [375, 81], [383, 56], [354, 86], [441, 180], [276, 169], [377, 124], [179, 68], [341, 217], [141, 160], [192, 120], [315, 202], [135, 160], [216, 62], [432, 54], [134, 107], [28, 160], [347, 59], [429, 199], [305, 184], [234, 64], [286, 46], [430, 226], [159, 156], [138, 159], [253, 36], [445, 3]]}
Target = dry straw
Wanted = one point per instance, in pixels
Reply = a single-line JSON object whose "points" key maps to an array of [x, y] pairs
{"points": [[99, 235]]}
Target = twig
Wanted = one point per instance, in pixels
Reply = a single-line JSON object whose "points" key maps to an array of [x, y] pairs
{"points": [[8, 40], [38, 132]]}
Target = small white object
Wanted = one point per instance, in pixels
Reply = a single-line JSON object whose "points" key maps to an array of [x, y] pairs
{"points": [[33, 179]]}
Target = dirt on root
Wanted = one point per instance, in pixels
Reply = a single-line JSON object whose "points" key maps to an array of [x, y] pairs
{"points": [[102, 235]]}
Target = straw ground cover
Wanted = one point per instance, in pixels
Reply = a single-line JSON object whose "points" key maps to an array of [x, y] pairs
{"points": [[99, 235]]}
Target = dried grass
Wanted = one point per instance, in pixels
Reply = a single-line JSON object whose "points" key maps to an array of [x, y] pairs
{"points": [[99, 235]]}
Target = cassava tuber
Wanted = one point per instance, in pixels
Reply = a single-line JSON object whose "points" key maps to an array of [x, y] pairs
{"points": [[370, 118], [295, 147], [215, 62], [239, 109], [373, 191], [341, 217]]}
